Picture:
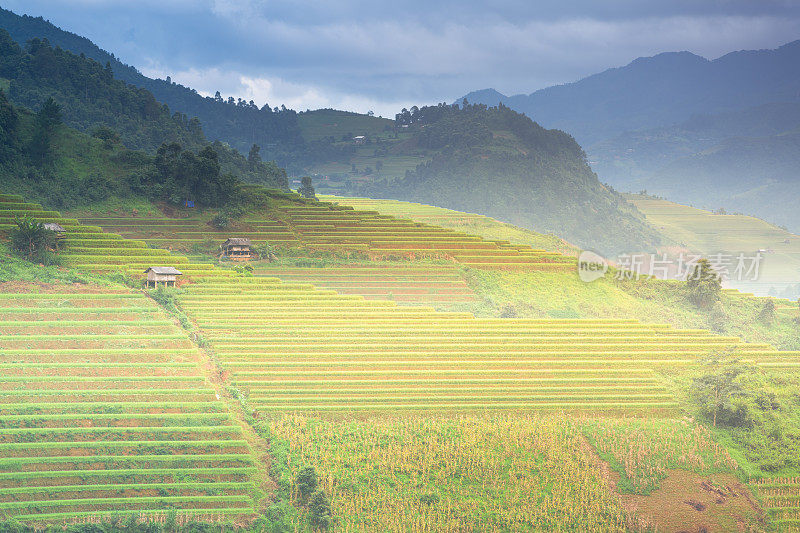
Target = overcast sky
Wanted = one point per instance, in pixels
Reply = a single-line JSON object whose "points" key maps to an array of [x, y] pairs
{"points": [[383, 55]]}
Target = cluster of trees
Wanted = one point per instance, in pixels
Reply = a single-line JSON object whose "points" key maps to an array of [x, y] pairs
{"points": [[89, 95], [181, 175], [37, 148], [92, 101], [311, 495], [32, 241], [306, 189], [237, 122]]}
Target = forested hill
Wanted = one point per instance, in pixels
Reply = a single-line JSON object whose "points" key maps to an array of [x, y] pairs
{"points": [[91, 99], [500, 163], [48, 162], [241, 124], [90, 96]]}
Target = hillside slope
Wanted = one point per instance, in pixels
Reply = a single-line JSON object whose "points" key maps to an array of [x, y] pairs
{"points": [[710, 233], [499, 163], [239, 123]]}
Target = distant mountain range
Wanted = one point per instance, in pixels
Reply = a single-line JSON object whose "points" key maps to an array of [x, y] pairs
{"points": [[655, 91], [494, 161], [712, 133]]}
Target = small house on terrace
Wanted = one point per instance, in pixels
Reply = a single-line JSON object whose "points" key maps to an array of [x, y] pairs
{"points": [[165, 275], [57, 228], [237, 249]]}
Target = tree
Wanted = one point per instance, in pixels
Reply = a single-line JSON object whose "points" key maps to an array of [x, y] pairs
{"points": [[31, 240], [704, 285], [254, 157], [306, 481], [49, 115], [767, 315], [8, 127], [44, 125], [320, 508], [306, 189], [107, 135], [718, 386]]}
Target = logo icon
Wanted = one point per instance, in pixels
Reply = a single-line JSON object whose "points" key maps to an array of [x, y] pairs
{"points": [[591, 266]]}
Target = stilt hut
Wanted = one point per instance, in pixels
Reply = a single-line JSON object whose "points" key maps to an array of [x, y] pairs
{"points": [[237, 249], [167, 276]]}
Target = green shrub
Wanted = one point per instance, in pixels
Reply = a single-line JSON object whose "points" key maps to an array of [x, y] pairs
{"points": [[767, 315], [307, 481], [704, 285], [320, 508], [31, 241]]}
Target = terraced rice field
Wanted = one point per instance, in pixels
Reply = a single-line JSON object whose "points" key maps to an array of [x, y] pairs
{"points": [[326, 227], [471, 223], [104, 410], [709, 233], [322, 226], [90, 248], [292, 347], [781, 498], [438, 284]]}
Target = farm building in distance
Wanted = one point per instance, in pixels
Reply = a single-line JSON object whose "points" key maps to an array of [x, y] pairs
{"points": [[165, 275], [237, 249]]}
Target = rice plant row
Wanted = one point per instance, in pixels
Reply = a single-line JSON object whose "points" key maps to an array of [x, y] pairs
{"points": [[96, 420]]}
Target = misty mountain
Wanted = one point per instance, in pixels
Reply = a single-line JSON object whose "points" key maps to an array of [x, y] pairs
{"points": [[754, 175], [657, 91], [631, 159]]}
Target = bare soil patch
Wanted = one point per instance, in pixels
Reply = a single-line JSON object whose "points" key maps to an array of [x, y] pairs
{"points": [[690, 502]]}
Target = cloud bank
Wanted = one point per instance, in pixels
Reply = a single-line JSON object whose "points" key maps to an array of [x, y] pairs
{"points": [[375, 55]]}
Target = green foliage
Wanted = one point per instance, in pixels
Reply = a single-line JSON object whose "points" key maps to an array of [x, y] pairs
{"points": [[109, 137], [45, 123], [502, 164], [704, 285], [307, 481], [32, 241], [720, 393], [767, 315], [238, 122], [183, 175], [306, 189], [251, 169], [90, 97], [757, 413], [320, 507], [718, 318], [229, 215]]}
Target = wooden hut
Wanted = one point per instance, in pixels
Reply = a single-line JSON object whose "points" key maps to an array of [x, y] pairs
{"points": [[57, 228], [167, 276], [237, 249]]}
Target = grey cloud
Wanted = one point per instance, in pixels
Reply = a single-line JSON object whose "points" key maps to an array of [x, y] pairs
{"points": [[414, 50]]}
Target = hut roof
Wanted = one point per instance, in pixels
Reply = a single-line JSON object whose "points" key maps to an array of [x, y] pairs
{"points": [[237, 241], [164, 270], [52, 226]]}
